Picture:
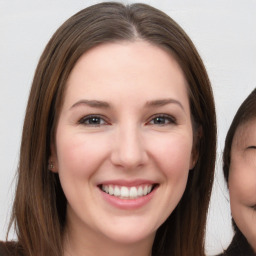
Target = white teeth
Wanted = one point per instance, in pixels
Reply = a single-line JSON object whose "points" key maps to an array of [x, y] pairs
{"points": [[140, 191], [127, 192], [133, 192], [124, 192], [117, 191], [145, 190], [105, 188], [111, 190]]}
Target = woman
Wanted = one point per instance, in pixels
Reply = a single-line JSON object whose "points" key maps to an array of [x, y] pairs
{"points": [[118, 146], [239, 162]]}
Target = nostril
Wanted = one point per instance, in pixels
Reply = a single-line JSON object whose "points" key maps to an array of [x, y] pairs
{"points": [[129, 159]]}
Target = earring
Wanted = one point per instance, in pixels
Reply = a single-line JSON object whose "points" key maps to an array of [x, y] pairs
{"points": [[50, 166]]}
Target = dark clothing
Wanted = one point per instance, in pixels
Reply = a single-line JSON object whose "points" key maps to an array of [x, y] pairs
{"points": [[239, 247], [9, 249]]}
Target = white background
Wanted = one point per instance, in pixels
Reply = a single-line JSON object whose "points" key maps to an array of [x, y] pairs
{"points": [[224, 32]]}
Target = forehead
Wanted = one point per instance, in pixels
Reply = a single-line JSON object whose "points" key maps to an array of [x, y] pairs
{"points": [[130, 67], [245, 134]]}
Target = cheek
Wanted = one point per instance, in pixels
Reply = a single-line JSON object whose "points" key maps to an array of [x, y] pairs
{"points": [[242, 184], [79, 155], [173, 154], [173, 161]]}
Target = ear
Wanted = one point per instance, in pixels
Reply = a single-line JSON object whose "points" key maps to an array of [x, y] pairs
{"points": [[195, 150], [53, 161], [194, 158]]}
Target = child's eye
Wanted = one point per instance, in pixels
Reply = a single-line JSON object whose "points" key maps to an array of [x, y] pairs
{"points": [[162, 120], [92, 120], [252, 147]]}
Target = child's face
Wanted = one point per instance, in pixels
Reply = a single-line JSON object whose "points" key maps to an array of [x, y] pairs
{"points": [[242, 180], [124, 141]]}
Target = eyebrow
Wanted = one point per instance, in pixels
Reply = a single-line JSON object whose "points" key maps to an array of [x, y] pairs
{"points": [[163, 102], [104, 104], [91, 103]]}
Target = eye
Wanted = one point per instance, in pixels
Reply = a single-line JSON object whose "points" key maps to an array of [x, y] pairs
{"points": [[93, 120], [251, 147], [162, 119], [253, 207]]}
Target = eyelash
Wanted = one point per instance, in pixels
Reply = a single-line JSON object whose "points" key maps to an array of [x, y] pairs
{"points": [[253, 207], [92, 118], [168, 120], [98, 120], [253, 147]]}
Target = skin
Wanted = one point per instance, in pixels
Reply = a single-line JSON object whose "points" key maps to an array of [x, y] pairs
{"points": [[129, 140], [242, 180]]}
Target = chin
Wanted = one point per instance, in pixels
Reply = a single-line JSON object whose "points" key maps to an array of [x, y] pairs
{"points": [[130, 235], [131, 238]]}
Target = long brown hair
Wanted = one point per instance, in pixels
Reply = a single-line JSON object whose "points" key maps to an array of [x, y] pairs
{"points": [[40, 205]]}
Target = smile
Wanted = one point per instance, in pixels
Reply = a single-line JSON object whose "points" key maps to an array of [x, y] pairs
{"points": [[124, 192]]}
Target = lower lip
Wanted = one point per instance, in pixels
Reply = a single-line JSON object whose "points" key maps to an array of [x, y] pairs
{"points": [[128, 204]]}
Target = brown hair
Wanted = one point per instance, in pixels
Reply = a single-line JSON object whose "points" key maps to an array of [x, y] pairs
{"points": [[40, 205], [245, 113]]}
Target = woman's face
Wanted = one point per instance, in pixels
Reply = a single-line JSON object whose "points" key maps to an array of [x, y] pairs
{"points": [[124, 142], [242, 180]]}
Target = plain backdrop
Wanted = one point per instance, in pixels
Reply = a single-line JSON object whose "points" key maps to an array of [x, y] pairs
{"points": [[224, 32]]}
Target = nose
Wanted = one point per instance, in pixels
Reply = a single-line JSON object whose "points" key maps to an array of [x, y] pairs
{"points": [[128, 149]]}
